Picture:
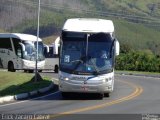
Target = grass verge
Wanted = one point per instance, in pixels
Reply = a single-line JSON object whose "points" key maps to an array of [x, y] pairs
{"points": [[138, 73], [16, 83]]}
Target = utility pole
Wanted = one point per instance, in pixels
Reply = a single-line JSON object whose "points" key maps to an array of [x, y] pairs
{"points": [[36, 71]]}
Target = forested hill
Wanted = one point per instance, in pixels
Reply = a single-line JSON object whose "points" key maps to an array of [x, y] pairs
{"points": [[21, 10]]}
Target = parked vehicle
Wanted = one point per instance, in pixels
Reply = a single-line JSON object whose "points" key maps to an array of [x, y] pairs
{"points": [[18, 52], [52, 57]]}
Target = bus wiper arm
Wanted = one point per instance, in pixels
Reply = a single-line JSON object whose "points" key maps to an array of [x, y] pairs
{"points": [[81, 60], [95, 67]]}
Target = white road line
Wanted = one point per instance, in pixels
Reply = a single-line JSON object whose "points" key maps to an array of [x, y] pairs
{"points": [[45, 95], [156, 78], [28, 100]]}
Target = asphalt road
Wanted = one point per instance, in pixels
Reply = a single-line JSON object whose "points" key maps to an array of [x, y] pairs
{"points": [[134, 97]]}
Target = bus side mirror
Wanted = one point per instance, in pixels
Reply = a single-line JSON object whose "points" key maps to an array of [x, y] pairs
{"points": [[23, 47], [117, 47], [56, 46], [56, 49], [47, 48]]}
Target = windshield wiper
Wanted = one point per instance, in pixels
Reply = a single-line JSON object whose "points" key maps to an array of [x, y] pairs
{"points": [[97, 71], [81, 60], [77, 61]]}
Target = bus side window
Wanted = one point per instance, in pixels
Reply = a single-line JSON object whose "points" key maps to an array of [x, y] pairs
{"points": [[6, 43]]}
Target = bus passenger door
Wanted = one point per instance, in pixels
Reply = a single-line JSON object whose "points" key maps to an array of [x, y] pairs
{"points": [[19, 58], [18, 53]]}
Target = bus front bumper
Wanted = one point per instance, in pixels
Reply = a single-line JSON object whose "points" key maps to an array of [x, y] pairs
{"points": [[30, 65], [66, 86]]}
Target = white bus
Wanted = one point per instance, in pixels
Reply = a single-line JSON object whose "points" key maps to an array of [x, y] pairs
{"points": [[87, 56], [51, 56], [18, 52]]}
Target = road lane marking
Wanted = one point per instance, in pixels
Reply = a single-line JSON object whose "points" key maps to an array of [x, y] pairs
{"points": [[143, 76], [137, 91], [29, 99]]}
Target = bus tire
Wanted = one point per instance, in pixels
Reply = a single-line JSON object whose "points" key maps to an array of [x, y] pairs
{"points": [[65, 94], [56, 68], [30, 71], [39, 70], [100, 96], [11, 67], [106, 95]]}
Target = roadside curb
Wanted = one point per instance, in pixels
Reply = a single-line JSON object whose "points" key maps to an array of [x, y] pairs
{"points": [[27, 95], [6, 99]]}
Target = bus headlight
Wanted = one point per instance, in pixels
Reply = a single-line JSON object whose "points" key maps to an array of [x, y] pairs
{"points": [[66, 78], [107, 79], [63, 78]]}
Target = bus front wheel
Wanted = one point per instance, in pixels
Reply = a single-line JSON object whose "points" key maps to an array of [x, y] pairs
{"points": [[65, 94], [56, 69], [11, 67], [106, 95], [30, 71], [101, 95]]}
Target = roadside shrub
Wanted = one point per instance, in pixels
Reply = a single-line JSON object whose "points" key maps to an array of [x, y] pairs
{"points": [[138, 61]]}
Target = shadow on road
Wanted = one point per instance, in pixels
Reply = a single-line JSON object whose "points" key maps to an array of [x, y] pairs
{"points": [[83, 96], [55, 94]]}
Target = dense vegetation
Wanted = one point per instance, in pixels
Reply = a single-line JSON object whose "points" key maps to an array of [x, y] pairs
{"points": [[138, 61]]}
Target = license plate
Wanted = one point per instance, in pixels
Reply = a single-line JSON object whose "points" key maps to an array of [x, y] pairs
{"points": [[84, 88]]}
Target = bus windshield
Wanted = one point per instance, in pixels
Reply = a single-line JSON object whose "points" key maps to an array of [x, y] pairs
{"points": [[30, 51], [83, 53]]}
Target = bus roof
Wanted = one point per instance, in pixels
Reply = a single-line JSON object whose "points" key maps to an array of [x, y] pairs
{"points": [[88, 25], [21, 36]]}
